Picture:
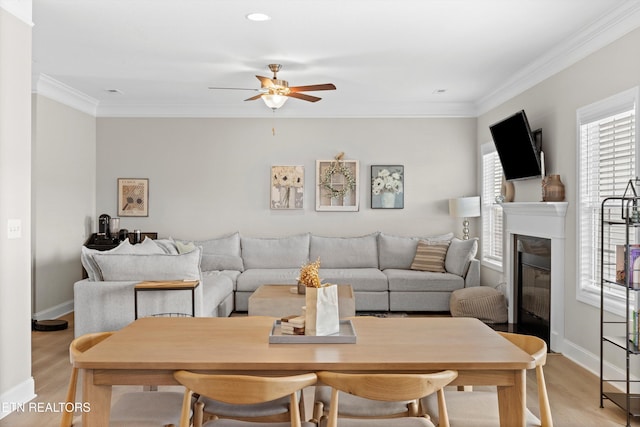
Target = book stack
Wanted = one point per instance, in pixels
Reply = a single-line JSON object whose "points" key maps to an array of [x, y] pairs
{"points": [[292, 325], [633, 327]]}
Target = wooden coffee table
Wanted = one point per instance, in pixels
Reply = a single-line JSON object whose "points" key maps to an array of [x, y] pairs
{"points": [[280, 301]]}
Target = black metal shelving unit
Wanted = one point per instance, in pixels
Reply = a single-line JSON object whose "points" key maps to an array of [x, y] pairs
{"points": [[616, 335]]}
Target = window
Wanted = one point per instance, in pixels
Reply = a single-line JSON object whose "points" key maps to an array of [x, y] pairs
{"points": [[491, 211], [608, 160]]}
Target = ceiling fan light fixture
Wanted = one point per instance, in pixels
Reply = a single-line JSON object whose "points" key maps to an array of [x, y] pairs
{"points": [[273, 100]]}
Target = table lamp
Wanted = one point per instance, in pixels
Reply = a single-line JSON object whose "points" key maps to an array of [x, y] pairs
{"points": [[465, 207]]}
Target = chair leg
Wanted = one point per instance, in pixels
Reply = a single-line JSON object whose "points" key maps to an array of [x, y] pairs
{"points": [[318, 411], [443, 415], [543, 399]]}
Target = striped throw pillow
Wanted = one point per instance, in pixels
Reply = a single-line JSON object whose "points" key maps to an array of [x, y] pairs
{"points": [[430, 256]]}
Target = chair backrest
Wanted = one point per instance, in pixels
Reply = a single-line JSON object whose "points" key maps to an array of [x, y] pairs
{"points": [[386, 387], [242, 389], [537, 348], [78, 346]]}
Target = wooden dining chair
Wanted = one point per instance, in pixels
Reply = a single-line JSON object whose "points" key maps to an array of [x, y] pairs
{"points": [[132, 409], [479, 408], [385, 388], [242, 390]]}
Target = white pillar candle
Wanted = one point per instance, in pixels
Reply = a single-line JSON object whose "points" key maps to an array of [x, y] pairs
{"points": [[542, 172]]}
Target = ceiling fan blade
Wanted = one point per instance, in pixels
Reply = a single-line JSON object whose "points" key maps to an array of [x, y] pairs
{"points": [[266, 81], [304, 97], [253, 98], [232, 88], [325, 86]]}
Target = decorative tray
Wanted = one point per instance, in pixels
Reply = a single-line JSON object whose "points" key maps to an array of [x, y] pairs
{"points": [[347, 335]]}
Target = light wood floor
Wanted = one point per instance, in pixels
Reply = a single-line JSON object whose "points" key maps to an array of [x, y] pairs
{"points": [[573, 391]]}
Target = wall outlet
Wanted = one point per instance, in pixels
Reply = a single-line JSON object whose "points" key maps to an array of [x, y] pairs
{"points": [[14, 229]]}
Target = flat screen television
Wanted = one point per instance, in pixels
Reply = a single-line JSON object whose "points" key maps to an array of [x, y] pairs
{"points": [[517, 147]]}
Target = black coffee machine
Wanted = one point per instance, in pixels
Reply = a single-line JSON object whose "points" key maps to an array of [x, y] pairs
{"points": [[103, 226]]}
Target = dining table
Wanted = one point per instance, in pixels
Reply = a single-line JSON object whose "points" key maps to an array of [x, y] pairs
{"points": [[148, 351]]}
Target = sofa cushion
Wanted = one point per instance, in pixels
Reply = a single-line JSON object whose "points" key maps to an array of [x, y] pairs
{"points": [[213, 262], [360, 279], [225, 245], [422, 281], [167, 245], [430, 256], [148, 246], [118, 267], [279, 252], [459, 255], [345, 252], [398, 251]]}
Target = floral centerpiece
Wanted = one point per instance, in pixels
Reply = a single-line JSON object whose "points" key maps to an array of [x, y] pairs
{"points": [[309, 276]]}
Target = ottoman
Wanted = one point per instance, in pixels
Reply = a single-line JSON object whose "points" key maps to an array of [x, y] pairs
{"points": [[482, 302]]}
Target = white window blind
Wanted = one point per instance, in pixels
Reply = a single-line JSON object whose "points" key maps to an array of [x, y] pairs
{"points": [[608, 159], [491, 211]]}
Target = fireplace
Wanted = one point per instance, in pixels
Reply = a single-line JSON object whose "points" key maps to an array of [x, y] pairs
{"points": [[532, 278], [544, 221]]}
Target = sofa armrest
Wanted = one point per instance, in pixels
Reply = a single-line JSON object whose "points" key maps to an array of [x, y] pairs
{"points": [[472, 278]]}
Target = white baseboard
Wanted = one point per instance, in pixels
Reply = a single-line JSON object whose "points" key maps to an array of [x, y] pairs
{"points": [[55, 311], [15, 398], [591, 362]]}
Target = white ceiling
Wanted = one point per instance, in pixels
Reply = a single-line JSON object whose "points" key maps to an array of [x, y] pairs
{"points": [[388, 58]]}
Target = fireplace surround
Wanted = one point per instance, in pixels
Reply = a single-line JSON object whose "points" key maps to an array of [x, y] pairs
{"points": [[545, 220]]}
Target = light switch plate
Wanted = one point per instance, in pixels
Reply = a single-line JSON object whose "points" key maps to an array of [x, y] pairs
{"points": [[14, 230]]}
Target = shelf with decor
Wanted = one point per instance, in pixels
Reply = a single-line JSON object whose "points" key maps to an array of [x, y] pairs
{"points": [[620, 273]]}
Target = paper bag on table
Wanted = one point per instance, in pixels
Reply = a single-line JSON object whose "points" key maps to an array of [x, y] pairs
{"points": [[322, 316]]}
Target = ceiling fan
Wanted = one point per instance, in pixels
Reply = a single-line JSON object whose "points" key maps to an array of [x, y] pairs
{"points": [[275, 92]]}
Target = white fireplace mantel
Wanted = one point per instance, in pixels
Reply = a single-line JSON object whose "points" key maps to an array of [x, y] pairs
{"points": [[545, 220]]}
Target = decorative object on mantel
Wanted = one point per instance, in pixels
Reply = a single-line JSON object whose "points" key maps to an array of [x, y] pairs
{"points": [[287, 187], [507, 190], [552, 189], [387, 187], [465, 207], [337, 186]]}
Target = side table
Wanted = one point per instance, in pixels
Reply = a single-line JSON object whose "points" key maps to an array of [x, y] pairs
{"points": [[167, 285]]}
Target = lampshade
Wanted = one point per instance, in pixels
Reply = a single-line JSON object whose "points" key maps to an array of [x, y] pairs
{"points": [[274, 101], [464, 207]]}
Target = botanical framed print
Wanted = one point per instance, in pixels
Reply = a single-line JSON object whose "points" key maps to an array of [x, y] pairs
{"points": [[287, 187], [387, 187], [337, 186], [133, 197]]}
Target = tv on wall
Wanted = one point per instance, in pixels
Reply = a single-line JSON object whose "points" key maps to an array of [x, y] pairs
{"points": [[518, 148]]}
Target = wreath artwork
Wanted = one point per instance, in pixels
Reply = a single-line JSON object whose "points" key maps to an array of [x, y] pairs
{"points": [[338, 168], [337, 184]]}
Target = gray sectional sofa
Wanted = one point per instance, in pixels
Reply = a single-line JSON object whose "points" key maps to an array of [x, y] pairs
{"points": [[230, 268]]}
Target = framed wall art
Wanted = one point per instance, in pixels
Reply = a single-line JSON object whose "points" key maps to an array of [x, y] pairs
{"points": [[337, 186], [387, 187], [287, 187], [133, 197]]}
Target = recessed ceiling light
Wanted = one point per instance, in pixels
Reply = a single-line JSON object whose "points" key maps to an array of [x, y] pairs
{"points": [[439, 91], [258, 17], [114, 91]]}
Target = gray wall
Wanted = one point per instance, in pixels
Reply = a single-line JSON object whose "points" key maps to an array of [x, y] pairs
{"points": [[552, 105], [16, 383], [208, 177], [63, 201]]}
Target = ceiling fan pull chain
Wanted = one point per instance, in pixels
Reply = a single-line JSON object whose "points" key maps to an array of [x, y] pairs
{"points": [[273, 123]]}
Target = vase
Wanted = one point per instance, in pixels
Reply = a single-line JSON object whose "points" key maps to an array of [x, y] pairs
{"points": [[387, 200], [552, 189], [302, 288], [507, 191]]}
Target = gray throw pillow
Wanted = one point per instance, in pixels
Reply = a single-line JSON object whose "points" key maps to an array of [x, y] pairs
{"points": [[89, 264], [459, 255], [140, 267]]}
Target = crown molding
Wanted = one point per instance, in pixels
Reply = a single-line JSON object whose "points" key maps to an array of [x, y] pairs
{"points": [[21, 9], [57, 91], [611, 27]]}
